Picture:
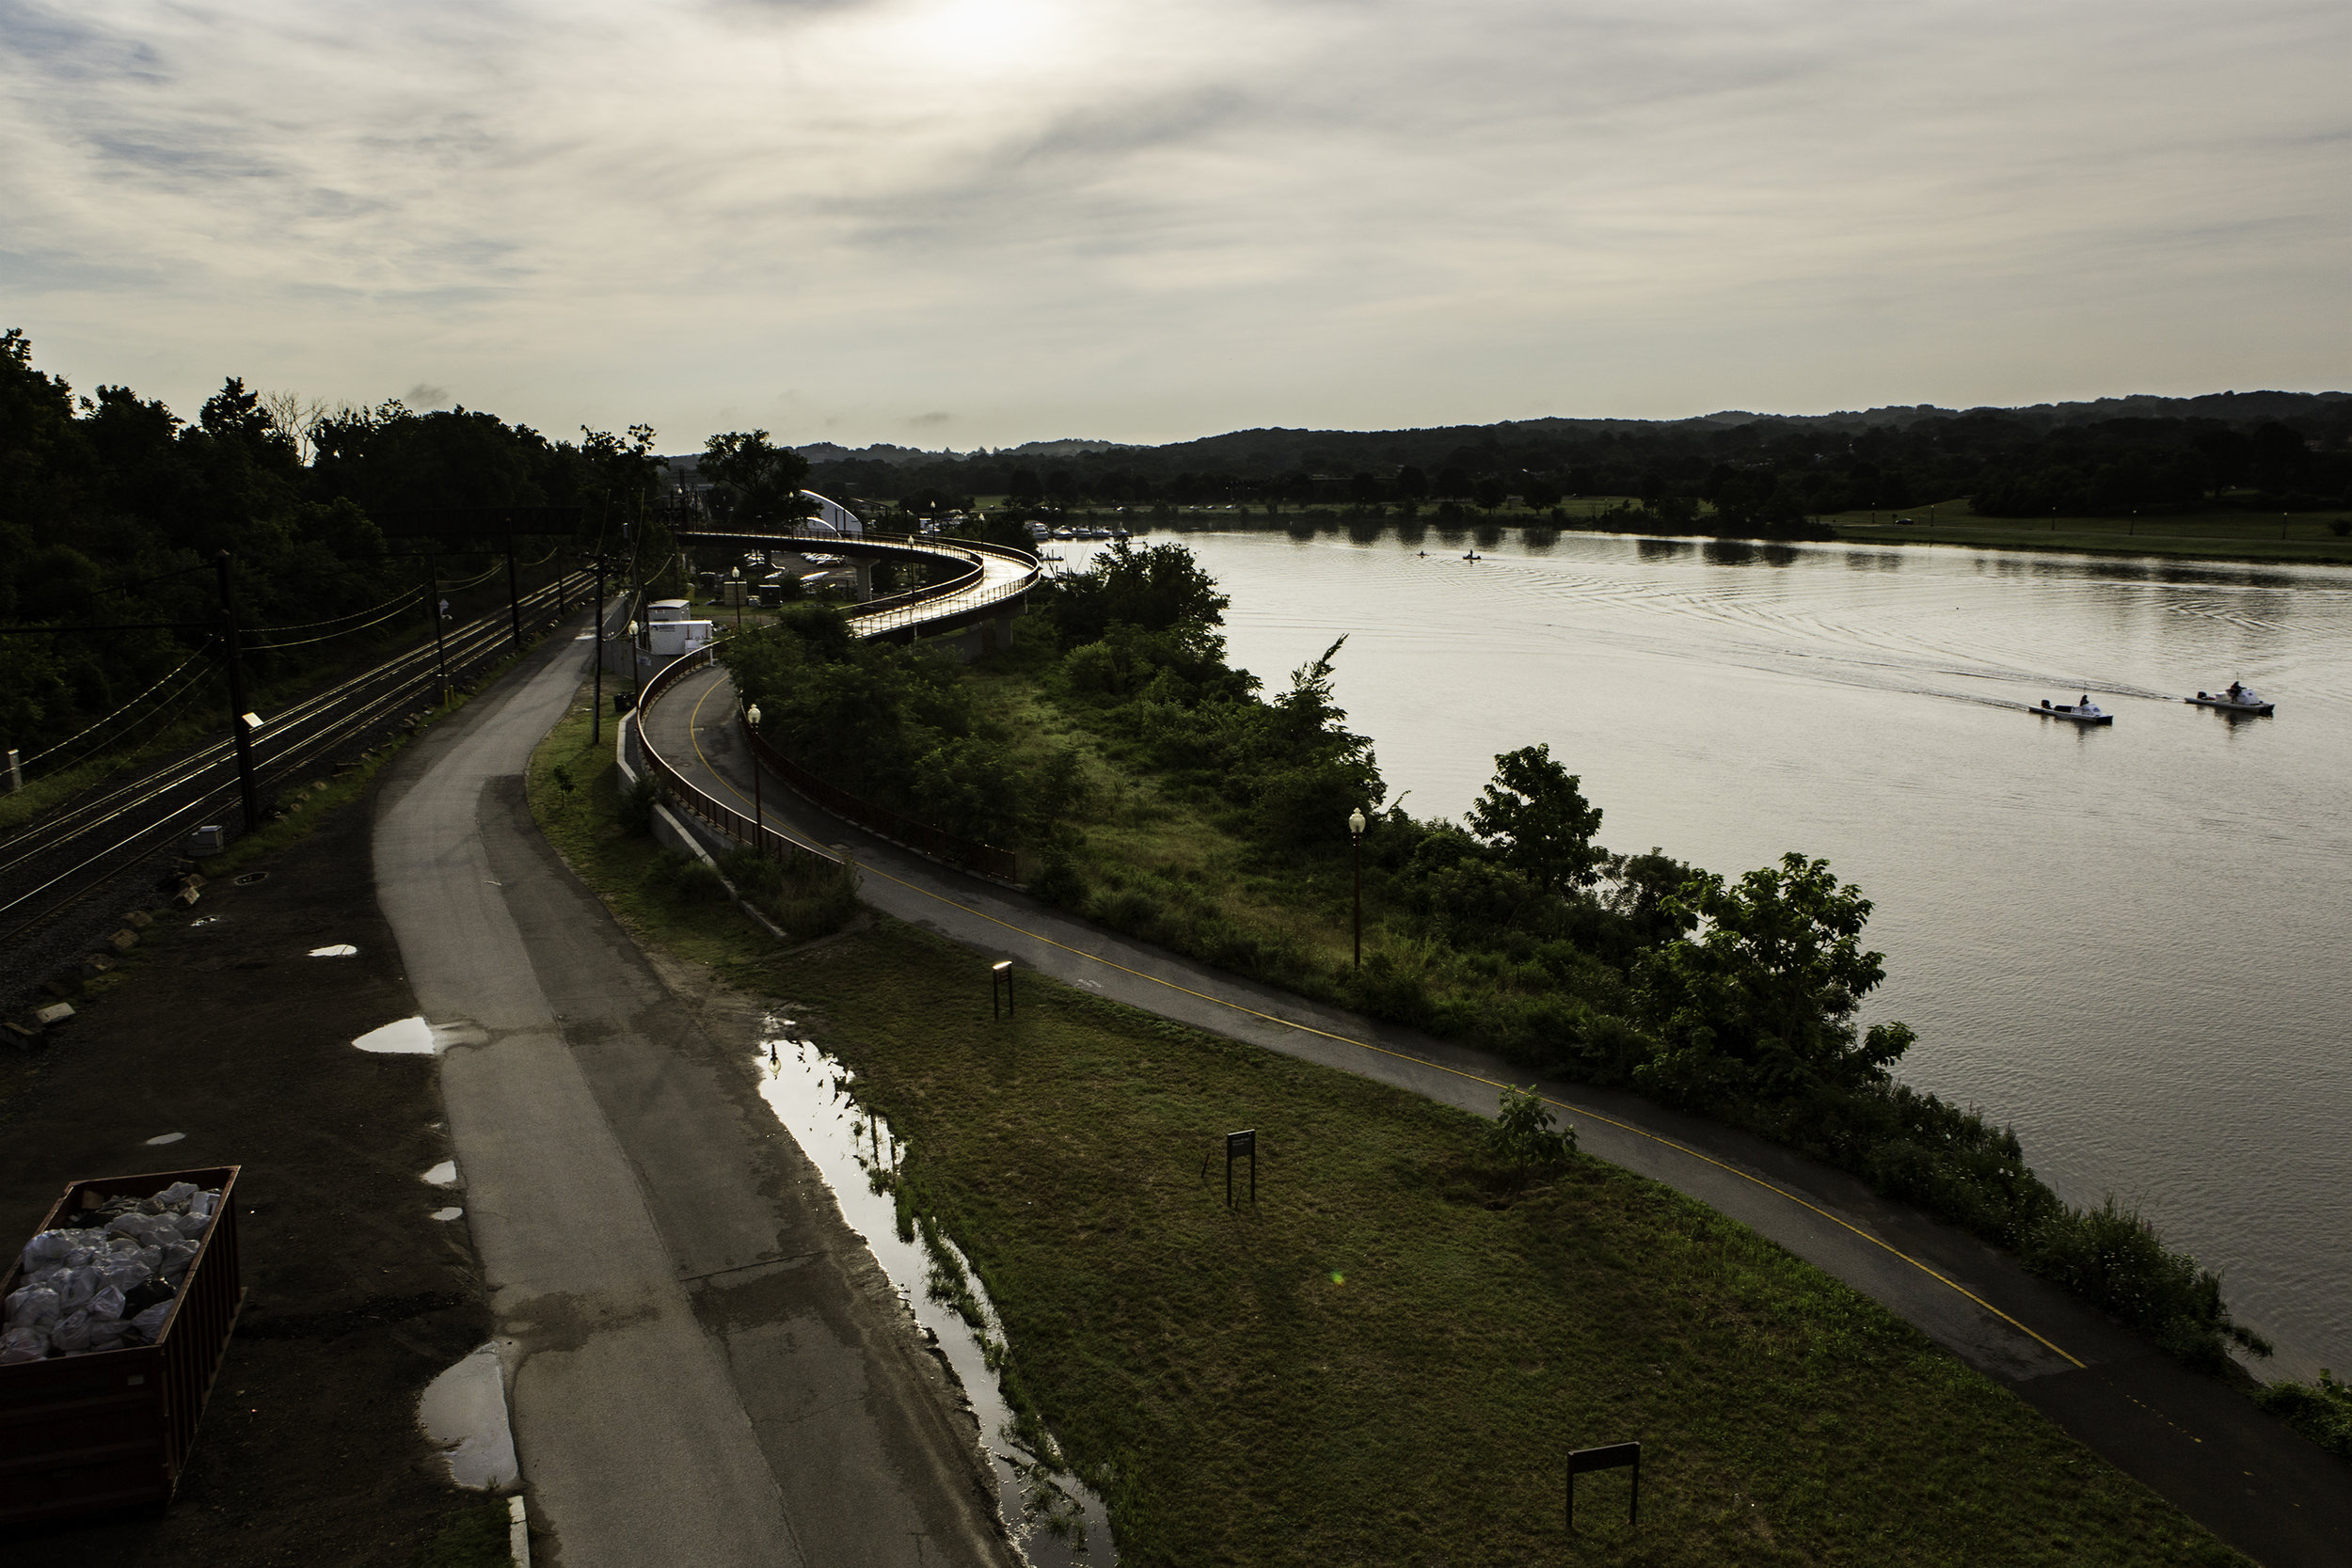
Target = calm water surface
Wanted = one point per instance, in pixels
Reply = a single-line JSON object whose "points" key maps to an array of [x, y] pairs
{"points": [[2128, 942]]}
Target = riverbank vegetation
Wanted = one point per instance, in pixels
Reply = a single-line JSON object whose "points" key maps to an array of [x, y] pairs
{"points": [[1387, 1356], [1154, 788]]}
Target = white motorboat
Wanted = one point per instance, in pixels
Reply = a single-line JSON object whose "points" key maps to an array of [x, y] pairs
{"points": [[2084, 712], [2236, 699]]}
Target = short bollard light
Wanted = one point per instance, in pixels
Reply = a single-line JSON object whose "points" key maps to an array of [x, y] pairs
{"points": [[1000, 974]]}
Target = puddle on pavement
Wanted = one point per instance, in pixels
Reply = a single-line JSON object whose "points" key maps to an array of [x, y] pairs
{"points": [[167, 1138], [407, 1036], [1055, 1519], [464, 1412], [442, 1175], [447, 1214], [340, 950]]}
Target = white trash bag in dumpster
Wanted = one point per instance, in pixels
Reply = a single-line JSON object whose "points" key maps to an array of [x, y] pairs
{"points": [[110, 1281]]}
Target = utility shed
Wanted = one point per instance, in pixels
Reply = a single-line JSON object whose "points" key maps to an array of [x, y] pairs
{"points": [[670, 639]]}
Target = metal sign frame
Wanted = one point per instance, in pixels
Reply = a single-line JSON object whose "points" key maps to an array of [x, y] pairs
{"points": [[1610, 1456]]}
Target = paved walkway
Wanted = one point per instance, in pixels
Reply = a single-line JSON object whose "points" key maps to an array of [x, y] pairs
{"points": [[2198, 1442], [707, 1365]]}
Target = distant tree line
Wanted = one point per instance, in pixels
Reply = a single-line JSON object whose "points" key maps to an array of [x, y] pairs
{"points": [[112, 508], [2267, 452]]}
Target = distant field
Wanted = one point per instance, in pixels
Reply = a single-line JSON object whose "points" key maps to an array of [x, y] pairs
{"points": [[2234, 535]]}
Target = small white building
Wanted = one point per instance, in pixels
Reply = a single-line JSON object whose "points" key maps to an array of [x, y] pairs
{"points": [[668, 640]]}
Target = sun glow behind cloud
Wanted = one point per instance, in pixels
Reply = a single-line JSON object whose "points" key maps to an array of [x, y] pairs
{"points": [[1159, 219]]}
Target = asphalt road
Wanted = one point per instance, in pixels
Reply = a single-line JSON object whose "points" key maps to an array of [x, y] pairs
{"points": [[2200, 1443], [705, 1364]]}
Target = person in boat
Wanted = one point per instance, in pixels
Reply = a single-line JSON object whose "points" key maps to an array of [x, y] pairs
{"points": [[2238, 692], [2083, 706]]}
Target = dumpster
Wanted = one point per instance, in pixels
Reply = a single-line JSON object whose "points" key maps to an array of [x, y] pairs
{"points": [[106, 1430]]}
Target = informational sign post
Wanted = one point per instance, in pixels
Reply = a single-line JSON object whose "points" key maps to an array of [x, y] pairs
{"points": [[1000, 989], [1240, 1146], [1612, 1456]]}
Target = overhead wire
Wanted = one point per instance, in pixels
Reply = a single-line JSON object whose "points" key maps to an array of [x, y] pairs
{"points": [[404, 596], [403, 606], [102, 723], [162, 576]]}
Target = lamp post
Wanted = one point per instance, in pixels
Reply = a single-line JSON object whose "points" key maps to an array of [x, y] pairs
{"points": [[1356, 845], [636, 668], [751, 721], [735, 576]]}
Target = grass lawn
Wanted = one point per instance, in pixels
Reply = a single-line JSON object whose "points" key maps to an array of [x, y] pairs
{"points": [[1387, 1358], [2227, 535]]}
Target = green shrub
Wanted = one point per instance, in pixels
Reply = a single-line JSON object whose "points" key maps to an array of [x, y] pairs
{"points": [[2320, 1411], [812, 897], [2113, 1258], [635, 810], [697, 881], [1523, 1138], [476, 1536], [1060, 882]]}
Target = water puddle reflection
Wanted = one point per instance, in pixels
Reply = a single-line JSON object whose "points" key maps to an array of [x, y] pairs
{"points": [[1056, 1520], [407, 1036]]}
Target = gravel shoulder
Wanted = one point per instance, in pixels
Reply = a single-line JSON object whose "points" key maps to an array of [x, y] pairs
{"points": [[227, 1032]]}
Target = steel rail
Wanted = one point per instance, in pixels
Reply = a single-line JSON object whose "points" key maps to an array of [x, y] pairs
{"points": [[318, 725], [46, 831]]}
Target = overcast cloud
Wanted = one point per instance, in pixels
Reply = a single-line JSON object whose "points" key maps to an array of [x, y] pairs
{"points": [[968, 222]]}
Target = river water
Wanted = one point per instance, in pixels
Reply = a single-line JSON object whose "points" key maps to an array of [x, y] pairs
{"points": [[2128, 942]]}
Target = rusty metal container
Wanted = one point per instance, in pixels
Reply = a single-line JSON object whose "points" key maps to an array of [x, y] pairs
{"points": [[110, 1430]]}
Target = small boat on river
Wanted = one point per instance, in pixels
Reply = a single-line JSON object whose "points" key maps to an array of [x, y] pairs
{"points": [[2237, 699], [2084, 712]]}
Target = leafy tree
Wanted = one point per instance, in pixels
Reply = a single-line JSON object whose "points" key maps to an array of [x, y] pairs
{"points": [[1453, 483], [1535, 815], [1025, 487], [1157, 587], [1763, 998], [1411, 483], [1489, 493], [756, 483]]}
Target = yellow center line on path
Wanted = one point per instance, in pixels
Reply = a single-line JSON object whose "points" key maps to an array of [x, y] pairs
{"points": [[693, 732]]}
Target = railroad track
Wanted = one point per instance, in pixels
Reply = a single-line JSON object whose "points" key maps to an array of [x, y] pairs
{"points": [[66, 858]]}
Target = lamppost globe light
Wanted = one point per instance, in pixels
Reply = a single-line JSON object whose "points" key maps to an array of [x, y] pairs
{"points": [[1356, 854]]}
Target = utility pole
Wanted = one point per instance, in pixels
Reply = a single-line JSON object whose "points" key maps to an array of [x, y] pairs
{"points": [[596, 714], [239, 730], [641, 626], [514, 604], [433, 608]]}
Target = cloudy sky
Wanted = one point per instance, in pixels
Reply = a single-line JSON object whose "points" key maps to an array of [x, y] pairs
{"points": [[979, 222]]}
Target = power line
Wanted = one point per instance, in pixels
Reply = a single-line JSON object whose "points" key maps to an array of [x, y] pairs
{"points": [[117, 713]]}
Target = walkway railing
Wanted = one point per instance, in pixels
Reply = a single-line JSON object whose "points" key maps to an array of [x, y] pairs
{"points": [[986, 859], [698, 803], [993, 576]]}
